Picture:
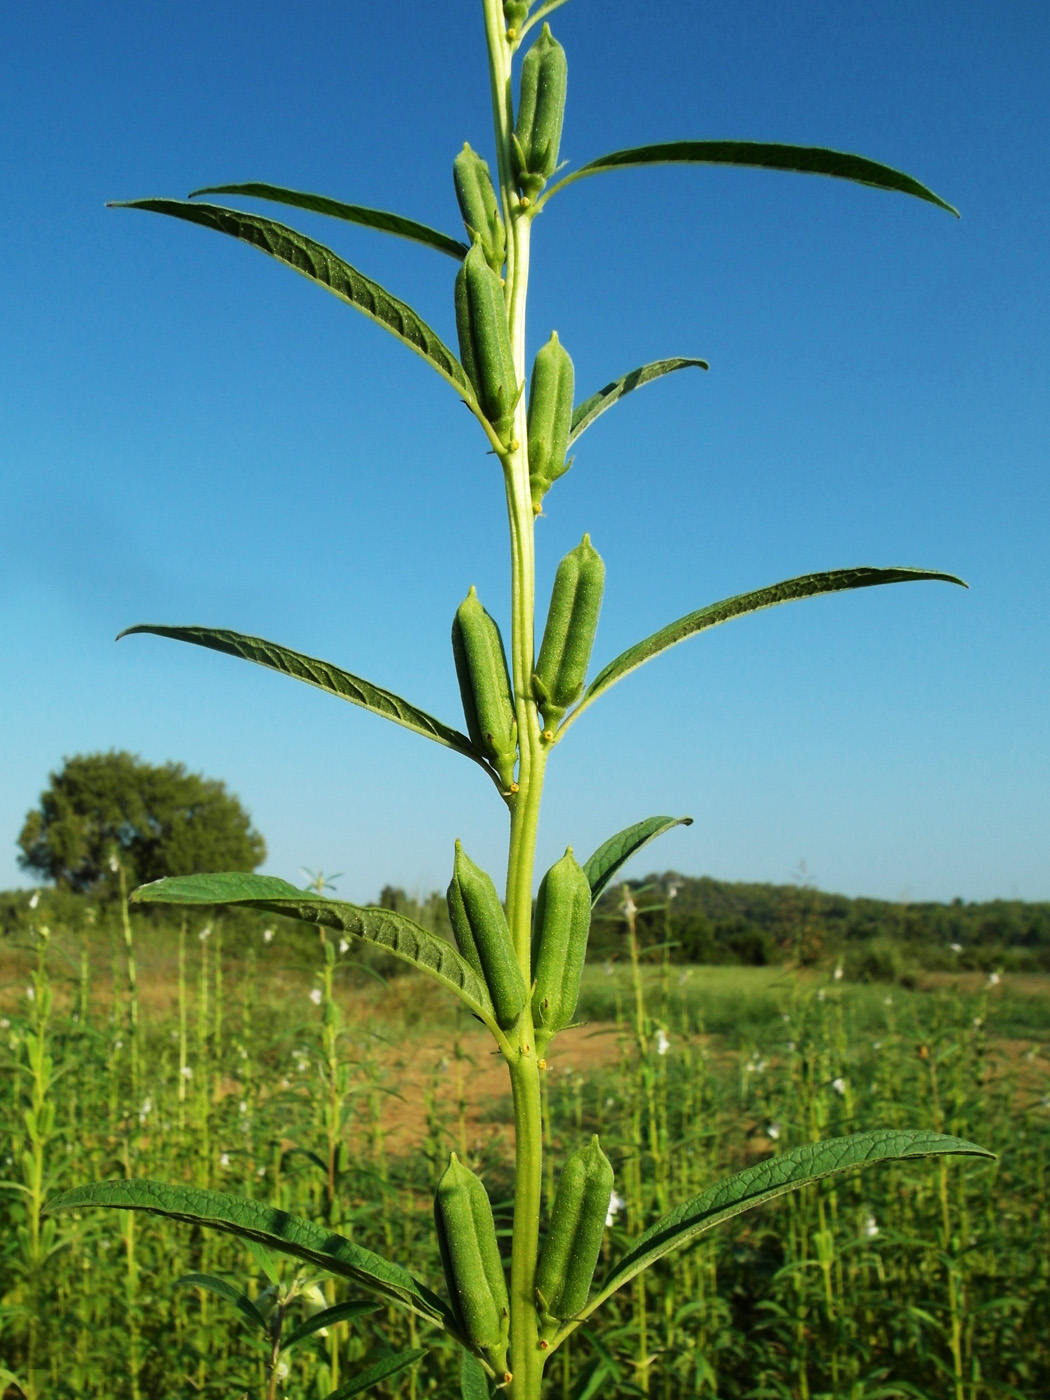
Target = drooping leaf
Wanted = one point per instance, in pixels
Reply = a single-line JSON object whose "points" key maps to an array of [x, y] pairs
{"points": [[805, 586], [585, 413], [340, 1312], [352, 213], [318, 263], [615, 852], [389, 1366], [325, 677], [226, 1290], [473, 1382], [382, 927], [252, 1220], [760, 155], [766, 1180]]}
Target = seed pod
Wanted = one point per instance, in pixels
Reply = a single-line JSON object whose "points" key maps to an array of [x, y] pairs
{"points": [[473, 1268], [484, 341], [541, 108], [550, 416], [484, 684], [568, 637], [574, 1238], [559, 942], [483, 937], [515, 12], [479, 206]]}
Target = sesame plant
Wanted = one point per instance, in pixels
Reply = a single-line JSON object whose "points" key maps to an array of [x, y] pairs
{"points": [[517, 963]]}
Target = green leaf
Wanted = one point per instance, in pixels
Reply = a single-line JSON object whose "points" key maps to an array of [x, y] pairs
{"points": [[585, 413], [760, 155], [252, 1220], [240, 1300], [352, 213], [615, 852], [397, 935], [766, 1180], [325, 677], [806, 586], [264, 1261], [389, 1366], [473, 1382], [340, 1312], [318, 263]]}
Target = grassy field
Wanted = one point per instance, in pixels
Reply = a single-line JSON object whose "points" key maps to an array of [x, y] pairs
{"points": [[307, 1082]]}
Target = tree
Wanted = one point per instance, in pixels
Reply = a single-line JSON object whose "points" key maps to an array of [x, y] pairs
{"points": [[157, 820]]}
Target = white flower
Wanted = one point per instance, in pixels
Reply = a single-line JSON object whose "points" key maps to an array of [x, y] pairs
{"points": [[607, 967], [34, 899], [773, 1131], [31, 994], [315, 996], [114, 864], [821, 995], [344, 945], [186, 1072], [118, 1045], [994, 979], [224, 1160], [887, 1001], [870, 1227], [205, 933], [672, 890], [267, 935], [260, 1171], [146, 1109], [616, 1204], [627, 904], [5, 1024], [876, 1044], [663, 1042], [839, 1085], [955, 947], [242, 1107], [977, 1023], [837, 974]]}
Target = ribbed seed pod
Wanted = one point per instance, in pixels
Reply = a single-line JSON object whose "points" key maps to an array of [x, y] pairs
{"points": [[541, 109], [561, 924], [483, 937], [568, 637], [470, 1256], [574, 1239], [550, 416], [484, 341], [484, 685], [479, 206]]}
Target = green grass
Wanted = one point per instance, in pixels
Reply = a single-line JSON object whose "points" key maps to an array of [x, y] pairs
{"points": [[916, 1280]]}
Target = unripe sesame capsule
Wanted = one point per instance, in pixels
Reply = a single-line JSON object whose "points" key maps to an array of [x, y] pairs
{"points": [[484, 685], [483, 937], [479, 206], [561, 924], [541, 109], [568, 637], [574, 1238], [550, 415], [471, 1260], [484, 341]]}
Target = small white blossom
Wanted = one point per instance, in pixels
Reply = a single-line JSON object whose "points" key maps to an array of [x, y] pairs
{"points": [[672, 890], [114, 864], [31, 994], [34, 899], [955, 947], [224, 1160], [242, 1107], [887, 1001], [773, 1131], [663, 1042], [146, 1109], [267, 935], [260, 1171], [118, 1045], [837, 974], [607, 967], [616, 1204], [5, 1024], [186, 1072], [977, 1023], [876, 1044], [994, 979], [315, 996], [627, 904], [344, 945], [205, 933], [839, 1085], [790, 1047], [871, 1229]]}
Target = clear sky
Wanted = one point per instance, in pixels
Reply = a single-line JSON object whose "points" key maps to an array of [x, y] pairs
{"points": [[192, 434]]}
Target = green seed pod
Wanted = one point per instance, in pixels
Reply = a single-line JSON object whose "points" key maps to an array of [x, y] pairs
{"points": [[473, 1268], [484, 684], [559, 942], [479, 206], [541, 108], [574, 1239], [515, 12], [484, 341], [483, 937], [568, 637], [550, 416]]}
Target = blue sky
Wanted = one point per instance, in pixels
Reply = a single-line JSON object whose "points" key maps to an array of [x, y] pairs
{"points": [[191, 434]]}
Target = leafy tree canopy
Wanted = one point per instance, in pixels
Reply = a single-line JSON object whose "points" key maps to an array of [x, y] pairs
{"points": [[157, 820]]}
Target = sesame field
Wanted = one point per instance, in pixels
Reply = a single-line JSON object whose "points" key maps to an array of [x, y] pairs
{"points": [[288, 1071]]}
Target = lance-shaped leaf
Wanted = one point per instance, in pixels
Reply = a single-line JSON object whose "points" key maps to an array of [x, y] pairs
{"points": [[473, 1382], [328, 1317], [760, 155], [382, 927], [252, 1220], [615, 852], [325, 677], [585, 413], [389, 1366], [805, 586], [318, 263], [226, 1290], [763, 1182], [352, 213]]}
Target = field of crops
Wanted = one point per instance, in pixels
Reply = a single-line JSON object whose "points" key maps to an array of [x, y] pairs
{"points": [[288, 1072]]}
